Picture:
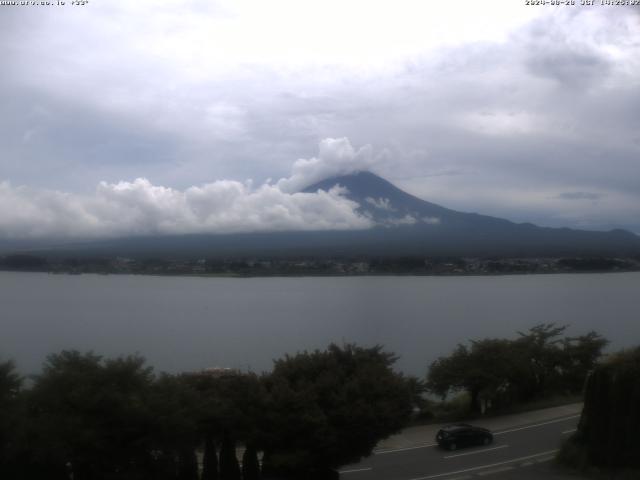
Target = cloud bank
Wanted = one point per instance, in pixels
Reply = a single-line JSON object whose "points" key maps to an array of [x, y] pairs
{"points": [[495, 108], [336, 157], [224, 206]]}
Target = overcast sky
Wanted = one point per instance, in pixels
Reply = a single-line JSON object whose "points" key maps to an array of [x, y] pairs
{"points": [[123, 117]]}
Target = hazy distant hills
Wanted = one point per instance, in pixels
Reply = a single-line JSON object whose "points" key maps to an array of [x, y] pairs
{"points": [[415, 226], [405, 226]]}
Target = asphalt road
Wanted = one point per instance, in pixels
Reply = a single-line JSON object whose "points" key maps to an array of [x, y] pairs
{"points": [[519, 452]]}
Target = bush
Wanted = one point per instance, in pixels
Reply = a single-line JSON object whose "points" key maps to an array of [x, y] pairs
{"points": [[573, 454], [606, 440]]}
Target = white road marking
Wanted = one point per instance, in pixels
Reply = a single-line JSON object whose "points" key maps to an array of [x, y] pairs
{"points": [[569, 431], [426, 445], [537, 425], [495, 470], [355, 470], [546, 459], [487, 466], [477, 451]]}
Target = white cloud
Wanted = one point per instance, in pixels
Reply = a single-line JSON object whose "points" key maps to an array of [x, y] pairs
{"points": [[406, 220], [431, 220], [380, 203], [141, 208], [336, 157], [503, 95], [502, 123], [409, 219]]}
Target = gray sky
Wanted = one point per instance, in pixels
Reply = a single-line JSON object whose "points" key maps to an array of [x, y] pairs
{"points": [[123, 117]]}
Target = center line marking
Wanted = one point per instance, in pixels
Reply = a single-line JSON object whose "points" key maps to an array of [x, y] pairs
{"points": [[570, 431], [537, 425], [486, 466], [477, 451], [496, 470], [426, 445], [355, 470]]}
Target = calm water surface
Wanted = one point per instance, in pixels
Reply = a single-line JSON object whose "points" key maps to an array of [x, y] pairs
{"points": [[187, 323]]}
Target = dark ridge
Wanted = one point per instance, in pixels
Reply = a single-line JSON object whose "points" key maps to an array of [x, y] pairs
{"points": [[405, 225]]}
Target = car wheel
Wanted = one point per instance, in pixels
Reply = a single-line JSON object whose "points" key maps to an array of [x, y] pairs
{"points": [[452, 446]]}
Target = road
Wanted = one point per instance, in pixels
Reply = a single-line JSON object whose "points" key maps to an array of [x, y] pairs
{"points": [[518, 452]]}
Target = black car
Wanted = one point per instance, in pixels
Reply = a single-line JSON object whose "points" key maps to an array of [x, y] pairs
{"points": [[463, 435]]}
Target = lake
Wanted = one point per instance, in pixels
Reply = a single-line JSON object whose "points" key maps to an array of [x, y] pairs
{"points": [[190, 323]]}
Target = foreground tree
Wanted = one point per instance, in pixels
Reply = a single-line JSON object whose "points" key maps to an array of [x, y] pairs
{"points": [[250, 464], [499, 372], [173, 432], [188, 463], [209, 459], [540, 357], [581, 355], [607, 434], [483, 371], [229, 466], [549, 363], [230, 409], [89, 417], [10, 427], [329, 408]]}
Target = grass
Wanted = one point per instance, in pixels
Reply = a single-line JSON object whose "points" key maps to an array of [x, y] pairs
{"points": [[457, 409], [539, 404]]}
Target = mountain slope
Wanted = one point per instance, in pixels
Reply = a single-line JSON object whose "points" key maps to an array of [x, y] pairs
{"points": [[389, 205], [405, 226], [426, 228]]}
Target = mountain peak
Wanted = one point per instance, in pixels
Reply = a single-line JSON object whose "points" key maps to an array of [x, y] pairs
{"points": [[360, 179], [405, 226], [382, 201], [363, 184], [435, 228]]}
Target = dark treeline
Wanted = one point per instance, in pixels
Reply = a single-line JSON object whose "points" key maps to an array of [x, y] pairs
{"points": [[497, 373], [316, 265], [89, 418], [607, 435]]}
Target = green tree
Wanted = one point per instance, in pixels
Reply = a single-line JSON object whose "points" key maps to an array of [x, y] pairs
{"points": [[328, 408], [447, 374], [10, 383], [608, 429], [581, 356], [483, 370], [210, 459], [229, 467], [230, 408], [174, 432], [541, 358], [10, 387], [91, 414], [499, 372], [187, 463], [230, 402], [250, 464]]}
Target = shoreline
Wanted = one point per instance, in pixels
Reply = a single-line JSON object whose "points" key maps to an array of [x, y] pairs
{"points": [[326, 275]]}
